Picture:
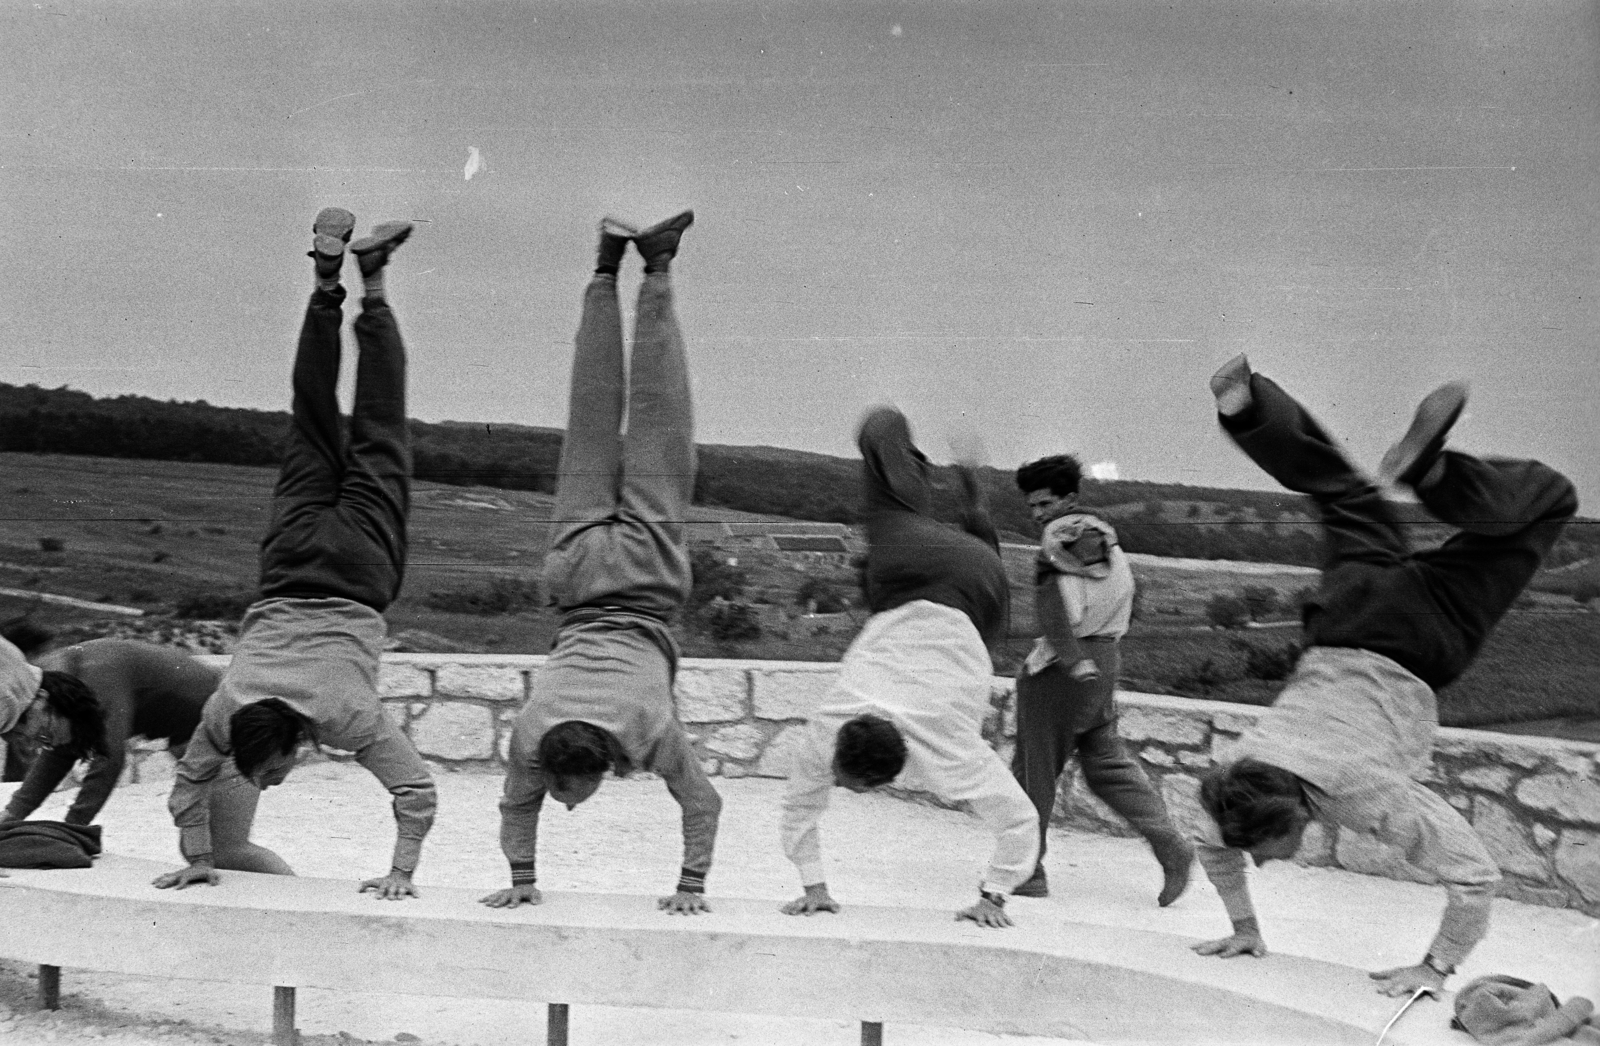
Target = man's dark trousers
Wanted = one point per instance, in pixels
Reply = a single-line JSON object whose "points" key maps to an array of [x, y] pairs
{"points": [[339, 510], [1430, 610], [1058, 716]]}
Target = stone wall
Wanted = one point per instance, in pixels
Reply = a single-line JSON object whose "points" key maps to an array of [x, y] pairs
{"points": [[1535, 801]]}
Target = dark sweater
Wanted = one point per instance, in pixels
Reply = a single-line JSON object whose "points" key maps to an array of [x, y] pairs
{"points": [[146, 691], [911, 555]]}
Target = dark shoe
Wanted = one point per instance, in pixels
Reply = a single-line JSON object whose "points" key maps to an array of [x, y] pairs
{"points": [[1036, 886], [614, 239], [1177, 861], [658, 245], [1409, 460], [372, 250], [329, 233]]}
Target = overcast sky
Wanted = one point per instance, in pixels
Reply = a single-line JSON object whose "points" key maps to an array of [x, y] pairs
{"points": [[1041, 224]]}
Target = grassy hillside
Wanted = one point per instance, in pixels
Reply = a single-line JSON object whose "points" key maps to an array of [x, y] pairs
{"points": [[1156, 518]]}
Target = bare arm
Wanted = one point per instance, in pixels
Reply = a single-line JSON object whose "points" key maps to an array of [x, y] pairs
{"points": [[49, 769]]}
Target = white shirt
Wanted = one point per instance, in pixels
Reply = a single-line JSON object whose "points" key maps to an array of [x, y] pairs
{"points": [[923, 667]]}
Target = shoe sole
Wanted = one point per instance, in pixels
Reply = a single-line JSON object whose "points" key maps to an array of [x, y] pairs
{"points": [[1436, 415], [334, 222], [676, 223], [385, 237], [610, 226]]}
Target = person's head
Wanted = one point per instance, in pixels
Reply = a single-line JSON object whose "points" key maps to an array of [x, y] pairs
{"points": [[575, 757], [1051, 486], [65, 715], [1258, 807], [868, 753], [1509, 1010], [264, 736]]}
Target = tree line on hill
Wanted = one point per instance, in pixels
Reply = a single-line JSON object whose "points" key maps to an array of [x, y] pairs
{"points": [[1158, 518]]}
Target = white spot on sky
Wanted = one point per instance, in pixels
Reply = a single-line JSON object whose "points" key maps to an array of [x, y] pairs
{"points": [[474, 162], [895, 30], [1103, 470]]}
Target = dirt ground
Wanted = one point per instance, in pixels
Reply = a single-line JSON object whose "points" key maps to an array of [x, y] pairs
{"points": [[332, 820]]}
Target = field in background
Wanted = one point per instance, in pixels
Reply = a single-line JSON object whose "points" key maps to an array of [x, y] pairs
{"points": [[165, 536]]}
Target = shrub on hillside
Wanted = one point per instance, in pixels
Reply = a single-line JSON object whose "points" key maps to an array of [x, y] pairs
{"points": [[1259, 601], [714, 577], [214, 606], [731, 621], [501, 594], [52, 545], [1225, 611], [819, 596], [1271, 663]]}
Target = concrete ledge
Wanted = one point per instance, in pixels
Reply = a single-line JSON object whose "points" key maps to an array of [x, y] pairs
{"points": [[1045, 977]]}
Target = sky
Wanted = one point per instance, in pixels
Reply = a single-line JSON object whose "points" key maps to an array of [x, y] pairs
{"points": [[1034, 226]]}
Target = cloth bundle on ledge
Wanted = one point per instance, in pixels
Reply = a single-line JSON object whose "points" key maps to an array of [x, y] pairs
{"points": [[48, 844]]}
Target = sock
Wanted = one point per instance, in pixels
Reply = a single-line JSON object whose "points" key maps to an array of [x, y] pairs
{"points": [[372, 283]]}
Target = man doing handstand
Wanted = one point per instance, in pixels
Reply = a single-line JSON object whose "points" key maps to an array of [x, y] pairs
{"points": [[306, 664], [1352, 731], [1066, 688], [913, 689], [618, 571]]}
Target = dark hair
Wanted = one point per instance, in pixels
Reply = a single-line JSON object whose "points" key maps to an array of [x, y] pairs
{"points": [[71, 698], [870, 749], [25, 635], [1253, 802], [262, 730], [1060, 474], [575, 749]]}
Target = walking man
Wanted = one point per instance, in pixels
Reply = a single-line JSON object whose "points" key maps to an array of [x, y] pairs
{"points": [[1066, 688]]}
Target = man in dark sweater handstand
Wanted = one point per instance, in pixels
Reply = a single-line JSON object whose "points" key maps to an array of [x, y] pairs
{"points": [[1352, 731], [619, 571], [306, 665], [913, 689]]}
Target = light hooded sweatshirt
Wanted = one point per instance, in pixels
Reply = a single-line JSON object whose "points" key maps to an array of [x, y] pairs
{"points": [[1359, 730]]}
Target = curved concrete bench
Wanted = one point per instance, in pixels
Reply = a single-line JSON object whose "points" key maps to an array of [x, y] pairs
{"points": [[874, 965]]}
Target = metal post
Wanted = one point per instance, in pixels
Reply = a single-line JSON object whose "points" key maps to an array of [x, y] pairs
{"points": [[283, 1033], [49, 987], [555, 1033], [871, 1033]]}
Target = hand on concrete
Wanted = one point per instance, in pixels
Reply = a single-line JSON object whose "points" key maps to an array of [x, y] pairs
{"points": [[986, 913], [190, 876], [1241, 942], [816, 900], [1403, 980], [682, 903], [1084, 670], [517, 895], [392, 887]]}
